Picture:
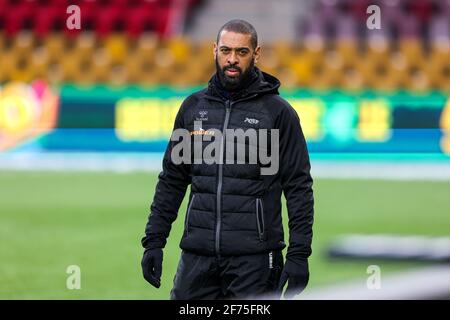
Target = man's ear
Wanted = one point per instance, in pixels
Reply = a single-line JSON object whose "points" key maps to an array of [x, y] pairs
{"points": [[215, 50], [257, 53]]}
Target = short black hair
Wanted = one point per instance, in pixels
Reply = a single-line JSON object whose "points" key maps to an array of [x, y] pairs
{"points": [[240, 26]]}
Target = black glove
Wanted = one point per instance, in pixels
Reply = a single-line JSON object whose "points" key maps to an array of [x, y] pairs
{"points": [[296, 274], [152, 266]]}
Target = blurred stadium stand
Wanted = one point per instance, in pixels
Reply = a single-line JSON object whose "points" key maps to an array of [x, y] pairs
{"points": [[381, 92], [322, 44]]}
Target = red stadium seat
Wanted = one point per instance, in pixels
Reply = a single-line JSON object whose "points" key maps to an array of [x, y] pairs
{"points": [[109, 19], [21, 19], [89, 13], [421, 9], [140, 19], [49, 18], [162, 20]]}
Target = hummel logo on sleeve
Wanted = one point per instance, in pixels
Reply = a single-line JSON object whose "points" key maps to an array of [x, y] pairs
{"points": [[203, 115]]}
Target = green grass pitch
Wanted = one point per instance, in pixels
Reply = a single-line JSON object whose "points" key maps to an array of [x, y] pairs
{"points": [[49, 221]]}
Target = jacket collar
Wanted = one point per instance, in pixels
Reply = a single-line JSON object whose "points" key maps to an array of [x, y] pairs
{"points": [[261, 83]]}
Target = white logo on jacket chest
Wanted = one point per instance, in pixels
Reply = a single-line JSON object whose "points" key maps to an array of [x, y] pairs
{"points": [[251, 120], [203, 115]]}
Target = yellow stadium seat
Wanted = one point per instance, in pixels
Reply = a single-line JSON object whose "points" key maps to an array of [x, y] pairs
{"points": [[305, 64], [352, 78], [163, 74], [180, 49], [182, 76], [334, 66], [2, 41], [197, 72], [147, 59], [54, 73], [118, 75], [101, 65], [399, 64], [137, 66], [379, 74], [85, 44], [377, 50], [85, 70], [69, 68], [146, 46], [149, 79], [288, 78], [440, 51], [413, 50], [416, 74], [314, 46], [202, 51], [417, 77], [164, 58], [21, 67], [116, 47], [269, 61], [284, 51], [40, 62], [6, 63], [55, 44], [23, 42], [438, 70], [348, 50]]}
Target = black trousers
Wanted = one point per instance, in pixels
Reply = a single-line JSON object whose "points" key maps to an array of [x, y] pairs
{"points": [[232, 277]]}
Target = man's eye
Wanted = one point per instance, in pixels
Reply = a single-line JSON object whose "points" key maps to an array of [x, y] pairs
{"points": [[225, 50], [243, 52]]}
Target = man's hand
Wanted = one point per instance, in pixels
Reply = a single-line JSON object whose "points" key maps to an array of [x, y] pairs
{"points": [[296, 274], [152, 266]]}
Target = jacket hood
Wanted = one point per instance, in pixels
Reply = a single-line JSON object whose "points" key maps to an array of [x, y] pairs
{"points": [[264, 83]]}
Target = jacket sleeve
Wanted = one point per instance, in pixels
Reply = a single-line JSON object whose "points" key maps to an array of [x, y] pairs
{"points": [[296, 182], [170, 190]]}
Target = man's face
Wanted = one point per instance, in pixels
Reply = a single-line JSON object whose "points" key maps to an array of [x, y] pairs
{"points": [[235, 57]]}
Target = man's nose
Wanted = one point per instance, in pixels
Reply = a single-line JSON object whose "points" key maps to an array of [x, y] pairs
{"points": [[232, 58]]}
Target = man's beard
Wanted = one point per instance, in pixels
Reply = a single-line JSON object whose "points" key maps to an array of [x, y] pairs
{"points": [[234, 83]]}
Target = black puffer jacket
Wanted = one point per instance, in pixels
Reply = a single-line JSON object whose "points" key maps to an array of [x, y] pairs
{"points": [[233, 209]]}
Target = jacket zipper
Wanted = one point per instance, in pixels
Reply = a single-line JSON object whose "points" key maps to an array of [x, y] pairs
{"points": [[260, 219], [220, 177], [187, 215], [228, 106]]}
